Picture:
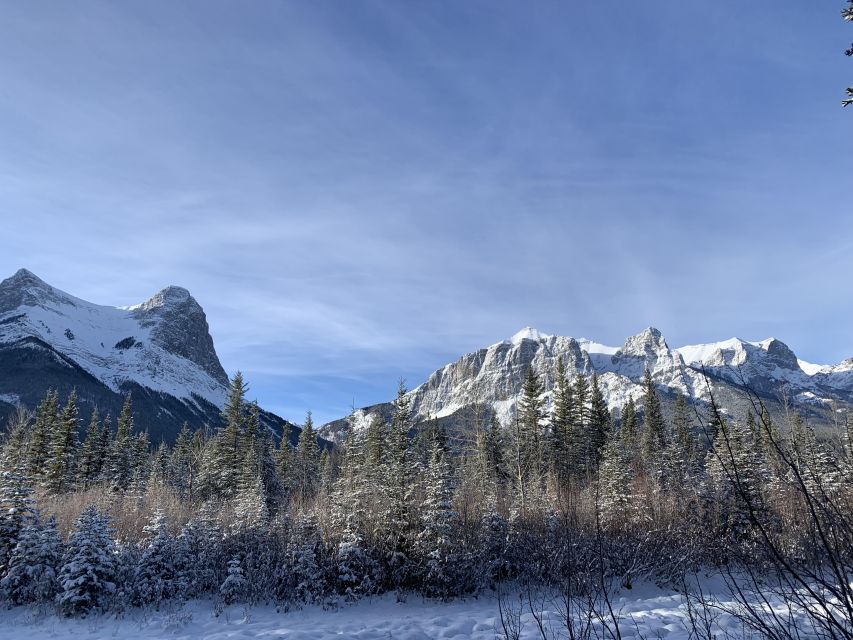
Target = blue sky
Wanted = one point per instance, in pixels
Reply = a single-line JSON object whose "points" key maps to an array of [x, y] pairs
{"points": [[358, 191]]}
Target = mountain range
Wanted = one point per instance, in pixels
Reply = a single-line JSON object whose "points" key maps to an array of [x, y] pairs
{"points": [[489, 381], [161, 351]]}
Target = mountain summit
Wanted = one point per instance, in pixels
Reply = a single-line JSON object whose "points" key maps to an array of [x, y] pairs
{"points": [[489, 381], [161, 350]]}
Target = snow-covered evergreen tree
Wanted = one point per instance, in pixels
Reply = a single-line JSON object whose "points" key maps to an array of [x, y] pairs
{"points": [[435, 543], [87, 575], [16, 511], [156, 576], [61, 464], [234, 588], [32, 574], [309, 580]]}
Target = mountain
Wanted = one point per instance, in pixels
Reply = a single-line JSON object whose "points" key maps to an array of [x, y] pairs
{"points": [[490, 380], [160, 350]]}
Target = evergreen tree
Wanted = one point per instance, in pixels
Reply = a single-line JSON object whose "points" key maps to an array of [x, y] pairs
{"points": [[156, 576], [234, 588], [600, 424], [33, 568], [616, 498], [681, 463], [224, 468], [181, 468], [61, 465], [306, 563], [435, 543], [307, 461], [733, 466], [394, 524], [376, 440], [16, 511], [530, 471], [654, 433], [90, 454], [199, 543], [120, 458], [580, 424], [88, 571], [561, 424], [47, 415]]}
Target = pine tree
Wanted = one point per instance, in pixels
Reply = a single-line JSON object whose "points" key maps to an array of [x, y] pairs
{"points": [[529, 467], [375, 437], [234, 588], [88, 571], [283, 458], [600, 424], [104, 448], [435, 543], [681, 463], [90, 454], [225, 467], [734, 470], [61, 466], [140, 461], [180, 470], [120, 457], [308, 579], [156, 576], [47, 415], [654, 433], [561, 424], [616, 499], [17, 511], [580, 424], [395, 478], [33, 568], [196, 563], [307, 461]]}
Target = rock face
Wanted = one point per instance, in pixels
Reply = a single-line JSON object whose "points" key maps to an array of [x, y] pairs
{"points": [[489, 380], [161, 350]]}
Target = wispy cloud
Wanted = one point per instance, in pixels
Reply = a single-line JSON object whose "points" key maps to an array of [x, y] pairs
{"points": [[359, 192]]}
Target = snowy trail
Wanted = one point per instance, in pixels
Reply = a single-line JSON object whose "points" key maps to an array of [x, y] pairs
{"points": [[646, 612]]}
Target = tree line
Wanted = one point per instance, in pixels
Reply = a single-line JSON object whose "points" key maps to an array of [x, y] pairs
{"points": [[562, 492]]}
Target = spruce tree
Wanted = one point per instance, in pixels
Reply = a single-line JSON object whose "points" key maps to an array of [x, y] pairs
{"points": [[435, 543], [17, 511], [561, 424], [88, 573], [155, 578], [33, 567], [61, 466], [530, 468], [654, 432], [90, 454], [394, 524], [600, 424], [307, 461], [580, 424], [120, 458], [47, 415]]}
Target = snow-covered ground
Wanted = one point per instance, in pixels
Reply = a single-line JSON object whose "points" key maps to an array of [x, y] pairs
{"points": [[646, 612]]}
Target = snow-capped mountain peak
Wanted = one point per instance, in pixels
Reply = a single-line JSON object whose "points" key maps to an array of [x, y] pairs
{"points": [[528, 333], [163, 344], [492, 378]]}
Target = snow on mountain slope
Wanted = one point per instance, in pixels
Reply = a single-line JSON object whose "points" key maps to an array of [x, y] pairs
{"points": [[141, 344], [491, 379]]}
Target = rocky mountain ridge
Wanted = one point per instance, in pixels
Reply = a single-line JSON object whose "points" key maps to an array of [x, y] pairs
{"points": [[160, 350], [489, 380]]}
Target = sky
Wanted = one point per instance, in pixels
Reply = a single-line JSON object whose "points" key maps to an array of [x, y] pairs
{"points": [[361, 191]]}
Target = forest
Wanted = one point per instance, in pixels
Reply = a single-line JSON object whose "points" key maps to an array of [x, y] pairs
{"points": [[567, 500]]}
